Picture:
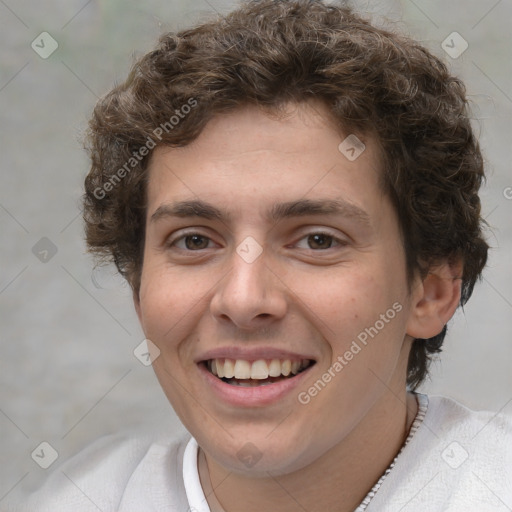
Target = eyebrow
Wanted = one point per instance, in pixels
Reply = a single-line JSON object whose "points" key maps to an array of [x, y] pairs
{"points": [[279, 211]]}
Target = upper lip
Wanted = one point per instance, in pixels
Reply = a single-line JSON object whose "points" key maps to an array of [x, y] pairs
{"points": [[251, 354]]}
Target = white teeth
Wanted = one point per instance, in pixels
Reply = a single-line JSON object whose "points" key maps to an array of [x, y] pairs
{"points": [[242, 369], [218, 367], [259, 370], [274, 370], [229, 368]]}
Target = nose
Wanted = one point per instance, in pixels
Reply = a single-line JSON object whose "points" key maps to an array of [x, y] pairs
{"points": [[250, 296]]}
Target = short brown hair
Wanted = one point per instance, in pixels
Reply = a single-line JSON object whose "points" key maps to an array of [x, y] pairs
{"points": [[269, 53]]}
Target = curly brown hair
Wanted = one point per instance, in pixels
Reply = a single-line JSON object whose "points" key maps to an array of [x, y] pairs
{"points": [[269, 53]]}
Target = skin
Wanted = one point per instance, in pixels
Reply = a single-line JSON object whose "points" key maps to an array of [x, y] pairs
{"points": [[304, 294]]}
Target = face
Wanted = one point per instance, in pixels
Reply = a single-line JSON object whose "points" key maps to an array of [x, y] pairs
{"points": [[269, 252]]}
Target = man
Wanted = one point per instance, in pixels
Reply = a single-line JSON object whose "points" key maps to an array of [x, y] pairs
{"points": [[292, 195]]}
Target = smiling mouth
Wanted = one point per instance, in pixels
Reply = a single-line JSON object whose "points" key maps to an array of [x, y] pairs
{"points": [[239, 372]]}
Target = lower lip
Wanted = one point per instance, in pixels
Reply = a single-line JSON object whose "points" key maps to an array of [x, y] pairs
{"points": [[242, 396]]}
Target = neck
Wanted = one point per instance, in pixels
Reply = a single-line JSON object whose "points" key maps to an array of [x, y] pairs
{"points": [[337, 481]]}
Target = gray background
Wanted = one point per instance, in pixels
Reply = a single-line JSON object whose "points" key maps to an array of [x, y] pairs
{"points": [[67, 370]]}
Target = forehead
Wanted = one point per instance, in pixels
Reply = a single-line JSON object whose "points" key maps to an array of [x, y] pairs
{"points": [[226, 133], [249, 155]]}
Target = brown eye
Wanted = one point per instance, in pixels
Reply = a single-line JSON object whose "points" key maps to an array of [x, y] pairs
{"points": [[190, 242], [193, 242], [320, 241]]}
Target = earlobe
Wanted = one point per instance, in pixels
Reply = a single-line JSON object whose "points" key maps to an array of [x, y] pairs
{"points": [[435, 300]]}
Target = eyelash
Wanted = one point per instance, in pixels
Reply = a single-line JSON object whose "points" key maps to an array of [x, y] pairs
{"points": [[337, 241]]}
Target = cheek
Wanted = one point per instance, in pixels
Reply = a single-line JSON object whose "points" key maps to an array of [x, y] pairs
{"points": [[345, 301], [170, 303], [361, 313]]}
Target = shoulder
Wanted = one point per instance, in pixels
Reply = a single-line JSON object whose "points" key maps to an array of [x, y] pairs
{"points": [[451, 420], [478, 441], [100, 476], [458, 459]]}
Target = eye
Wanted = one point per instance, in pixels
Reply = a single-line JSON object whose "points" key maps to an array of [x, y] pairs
{"points": [[191, 242], [320, 241]]}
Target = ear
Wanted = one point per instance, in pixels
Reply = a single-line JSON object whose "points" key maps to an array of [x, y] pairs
{"points": [[435, 300]]}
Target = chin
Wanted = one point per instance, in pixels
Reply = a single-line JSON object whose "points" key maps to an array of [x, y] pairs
{"points": [[261, 456]]}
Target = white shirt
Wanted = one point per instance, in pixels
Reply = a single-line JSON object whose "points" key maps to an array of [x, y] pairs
{"points": [[457, 460]]}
